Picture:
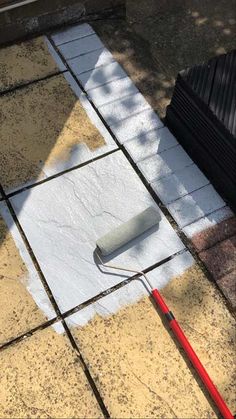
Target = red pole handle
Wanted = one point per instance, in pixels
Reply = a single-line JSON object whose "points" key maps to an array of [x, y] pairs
{"points": [[224, 410]]}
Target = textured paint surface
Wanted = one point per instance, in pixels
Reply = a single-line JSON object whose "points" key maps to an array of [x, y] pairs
{"points": [[44, 129], [18, 310], [41, 377], [24, 62], [87, 203], [139, 370], [150, 143], [195, 205], [160, 165]]}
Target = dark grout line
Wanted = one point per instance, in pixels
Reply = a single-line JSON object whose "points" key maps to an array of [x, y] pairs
{"points": [[86, 371], [57, 310], [29, 333], [76, 56], [31, 82], [78, 166], [120, 285], [90, 301], [71, 40]]}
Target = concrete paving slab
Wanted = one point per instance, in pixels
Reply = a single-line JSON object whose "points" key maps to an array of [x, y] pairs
{"points": [[136, 125], [196, 205], [46, 128], [102, 75], [113, 302], [135, 363], [19, 312], [180, 183], [87, 203], [123, 108], [91, 60], [112, 91], [72, 33], [80, 46], [212, 235], [41, 376], [160, 165], [208, 221], [27, 61], [150, 143], [221, 258]]}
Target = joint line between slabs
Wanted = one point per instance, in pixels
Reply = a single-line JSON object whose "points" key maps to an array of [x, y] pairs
{"points": [[30, 83], [88, 302], [59, 315], [56, 175]]}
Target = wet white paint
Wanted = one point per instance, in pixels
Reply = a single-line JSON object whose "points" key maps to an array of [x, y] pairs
{"points": [[64, 217], [133, 292]]}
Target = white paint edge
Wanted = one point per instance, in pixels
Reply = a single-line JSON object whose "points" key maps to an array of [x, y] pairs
{"points": [[133, 292], [208, 221], [55, 55], [34, 285]]}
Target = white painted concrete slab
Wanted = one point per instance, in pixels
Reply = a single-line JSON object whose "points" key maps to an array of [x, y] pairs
{"points": [[150, 143], [162, 164], [132, 292], [180, 183], [123, 108], [90, 61], [136, 125], [55, 55], [112, 91], [80, 46], [63, 218], [32, 281], [72, 33], [102, 75], [208, 221], [196, 205]]}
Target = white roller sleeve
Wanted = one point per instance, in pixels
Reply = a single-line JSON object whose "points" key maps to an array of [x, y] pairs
{"points": [[128, 231]]}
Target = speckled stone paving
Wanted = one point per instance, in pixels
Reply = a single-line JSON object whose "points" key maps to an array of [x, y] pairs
{"points": [[27, 61], [70, 182], [41, 376], [47, 128], [138, 368]]}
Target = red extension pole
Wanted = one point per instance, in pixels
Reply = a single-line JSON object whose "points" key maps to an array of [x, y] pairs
{"points": [[224, 410]]}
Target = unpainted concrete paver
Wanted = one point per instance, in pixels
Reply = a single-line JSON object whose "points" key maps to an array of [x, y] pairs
{"points": [[27, 61], [46, 128], [41, 376], [140, 371]]}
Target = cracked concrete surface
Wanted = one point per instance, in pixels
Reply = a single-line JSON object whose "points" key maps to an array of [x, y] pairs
{"points": [[141, 372]]}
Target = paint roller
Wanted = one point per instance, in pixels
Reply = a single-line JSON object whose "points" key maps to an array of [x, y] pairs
{"points": [[126, 233]]}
